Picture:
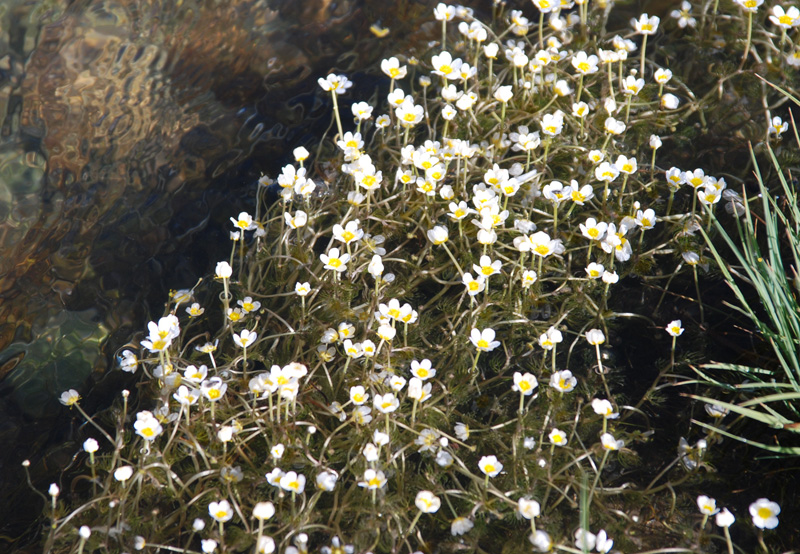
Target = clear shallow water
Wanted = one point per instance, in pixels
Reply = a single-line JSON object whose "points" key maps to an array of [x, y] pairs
{"points": [[130, 132]]}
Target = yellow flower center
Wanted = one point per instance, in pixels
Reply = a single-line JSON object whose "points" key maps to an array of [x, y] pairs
{"points": [[244, 341], [334, 262], [543, 250], [583, 66], [524, 385], [422, 372], [483, 343], [409, 117], [148, 432], [213, 394], [487, 270], [593, 232], [221, 514], [645, 222], [358, 397], [563, 384], [488, 468], [446, 69], [394, 72], [473, 285], [764, 512], [374, 482]]}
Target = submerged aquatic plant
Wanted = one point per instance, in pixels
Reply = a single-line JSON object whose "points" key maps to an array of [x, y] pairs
{"points": [[318, 420]]}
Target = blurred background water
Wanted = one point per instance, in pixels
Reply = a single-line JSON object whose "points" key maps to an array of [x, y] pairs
{"points": [[131, 131]]}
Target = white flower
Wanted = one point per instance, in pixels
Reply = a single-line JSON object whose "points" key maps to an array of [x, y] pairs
{"points": [[302, 289], [460, 526], [392, 68], [90, 445], [707, 505], [604, 408], [446, 66], [128, 361], [386, 403], [474, 286], [293, 482], [610, 277], [610, 443], [558, 437], [669, 101], [563, 381], [221, 511], [614, 126], [604, 542], [648, 25], [490, 466], [335, 83], [244, 222], [245, 338], [263, 510], [631, 85], [265, 545], [358, 395], [674, 328], [334, 261], [528, 508], [422, 370], [326, 480], [224, 270], [584, 64], [585, 540], [53, 490], [528, 278], [595, 337], [123, 473], [443, 12], [438, 235], [373, 479], [484, 339], [785, 19], [147, 426], [524, 384], [427, 502], [503, 94], [70, 397], [541, 541], [85, 532], [725, 518], [765, 513]]}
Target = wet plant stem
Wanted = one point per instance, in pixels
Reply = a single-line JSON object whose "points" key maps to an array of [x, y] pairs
{"points": [[599, 472]]}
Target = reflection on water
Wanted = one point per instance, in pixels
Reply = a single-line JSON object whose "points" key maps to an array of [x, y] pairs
{"points": [[128, 127]]}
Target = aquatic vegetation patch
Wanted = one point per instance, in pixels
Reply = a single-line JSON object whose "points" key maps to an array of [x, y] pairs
{"points": [[405, 352]]}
